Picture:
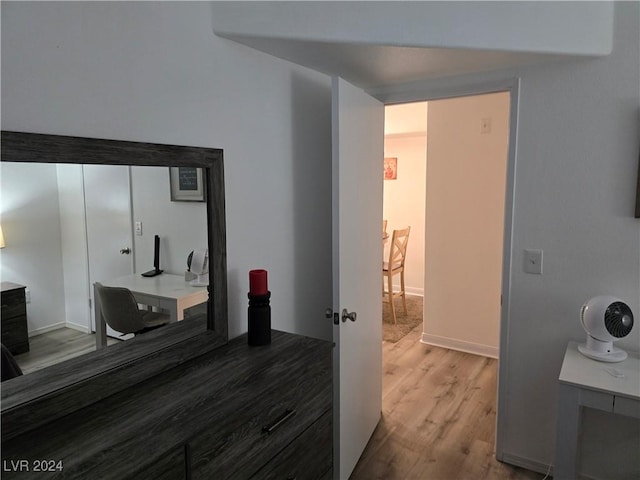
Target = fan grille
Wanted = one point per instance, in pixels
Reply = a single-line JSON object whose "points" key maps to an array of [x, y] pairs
{"points": [[613, 319]]}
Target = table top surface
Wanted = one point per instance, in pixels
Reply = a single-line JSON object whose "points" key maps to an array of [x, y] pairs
{"points": [[165, 285], [621, 378]]}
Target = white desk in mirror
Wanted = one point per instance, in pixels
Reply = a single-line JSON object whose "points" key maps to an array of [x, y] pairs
{"points": [[166, 292]]}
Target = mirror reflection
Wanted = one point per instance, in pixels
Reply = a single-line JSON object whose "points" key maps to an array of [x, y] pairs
{"points": [[67, 227]]}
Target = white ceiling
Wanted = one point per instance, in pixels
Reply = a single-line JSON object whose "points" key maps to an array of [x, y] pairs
{"points": [[371, 66]]}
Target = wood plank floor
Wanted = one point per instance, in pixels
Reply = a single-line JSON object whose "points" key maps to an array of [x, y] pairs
{"points": [[57, 346], [438, 418]]}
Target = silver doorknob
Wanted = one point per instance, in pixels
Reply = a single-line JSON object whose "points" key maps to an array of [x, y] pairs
{"points": [[346, 315], [125, 251]]}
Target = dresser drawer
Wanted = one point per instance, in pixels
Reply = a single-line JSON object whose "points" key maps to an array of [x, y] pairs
{"points": [[626, 406], [13, 311], [274, 411], [13, 329], [11, 298], [308, 457]]}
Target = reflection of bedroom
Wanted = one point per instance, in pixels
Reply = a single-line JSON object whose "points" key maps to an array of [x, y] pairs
{"points": [[48, 212]]}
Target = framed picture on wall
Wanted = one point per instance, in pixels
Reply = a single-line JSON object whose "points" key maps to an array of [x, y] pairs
{"points": [[391, 168], [186, 184]]}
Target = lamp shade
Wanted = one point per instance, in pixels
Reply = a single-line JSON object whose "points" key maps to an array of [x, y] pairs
{"points": [[1, 238]]}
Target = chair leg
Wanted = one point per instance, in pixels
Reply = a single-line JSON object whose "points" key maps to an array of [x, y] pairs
{"points": [[383, 282], [404, 294], [390, 287]]}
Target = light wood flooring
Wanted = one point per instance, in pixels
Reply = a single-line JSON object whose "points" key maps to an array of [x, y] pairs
{"points": [[438, 417], [57, 346]]}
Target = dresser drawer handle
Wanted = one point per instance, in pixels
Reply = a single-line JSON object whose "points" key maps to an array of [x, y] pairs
{"points": [[288, 413]]}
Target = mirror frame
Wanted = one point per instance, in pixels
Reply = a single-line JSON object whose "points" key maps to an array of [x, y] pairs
{"points": [[34, 399]]}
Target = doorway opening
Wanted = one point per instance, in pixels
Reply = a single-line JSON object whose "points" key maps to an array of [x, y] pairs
{"points": [[451, 191], [451, 184]]}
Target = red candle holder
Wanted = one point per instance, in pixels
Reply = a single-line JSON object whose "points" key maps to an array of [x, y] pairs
{"points": [[259, 313], [258, 282]]}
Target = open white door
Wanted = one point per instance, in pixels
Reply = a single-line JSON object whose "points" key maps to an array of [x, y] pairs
{"points": [[358, 151]]}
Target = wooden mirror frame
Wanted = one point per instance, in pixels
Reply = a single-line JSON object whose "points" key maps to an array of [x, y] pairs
{"points": [[35, 399]]}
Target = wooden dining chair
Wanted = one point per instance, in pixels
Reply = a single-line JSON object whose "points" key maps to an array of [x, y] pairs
{"points": [[395, 266]]}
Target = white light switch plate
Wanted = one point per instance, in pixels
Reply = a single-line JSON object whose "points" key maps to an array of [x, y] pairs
{"points": [[533, 261]]}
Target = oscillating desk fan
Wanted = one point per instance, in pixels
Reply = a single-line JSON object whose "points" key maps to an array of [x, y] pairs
{"points": [[605, 319], [198, 264]]}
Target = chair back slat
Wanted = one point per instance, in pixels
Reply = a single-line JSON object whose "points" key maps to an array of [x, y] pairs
{"points": [[398, 249]]}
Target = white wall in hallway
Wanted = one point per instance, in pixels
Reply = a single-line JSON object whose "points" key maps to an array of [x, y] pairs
{"points": [[466, 177], [404, 202]]}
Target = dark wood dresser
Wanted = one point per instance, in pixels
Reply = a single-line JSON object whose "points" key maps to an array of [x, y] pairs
{"points": [[14, 333], [235, 412]]}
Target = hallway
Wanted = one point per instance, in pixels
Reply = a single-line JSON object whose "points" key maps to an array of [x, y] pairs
{"points": [[438, 419]]}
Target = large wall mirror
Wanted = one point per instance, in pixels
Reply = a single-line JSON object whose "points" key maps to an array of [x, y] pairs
{"points": [[78, 211]]}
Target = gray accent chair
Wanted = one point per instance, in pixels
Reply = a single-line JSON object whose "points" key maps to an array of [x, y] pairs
{"points": [[121, 312]]}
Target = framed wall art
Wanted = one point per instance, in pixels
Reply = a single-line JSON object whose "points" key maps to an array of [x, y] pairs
{"points": [[186, 184], [391, 168]]}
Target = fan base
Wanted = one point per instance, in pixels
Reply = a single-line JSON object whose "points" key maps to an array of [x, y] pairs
{"points": [[200, 281], [614, 356]]}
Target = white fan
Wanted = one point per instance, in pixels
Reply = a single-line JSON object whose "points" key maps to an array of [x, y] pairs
{"points": [[198, 264], [605, 319]]}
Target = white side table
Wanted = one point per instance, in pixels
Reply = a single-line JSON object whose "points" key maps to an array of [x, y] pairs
{"points": [[612, 387]]}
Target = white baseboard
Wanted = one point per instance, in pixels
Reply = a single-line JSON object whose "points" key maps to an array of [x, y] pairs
{"points": [[460, 345], [418, 292], [527, 463], [79, 328], [56, 326], [48, 328], [537, 466]]}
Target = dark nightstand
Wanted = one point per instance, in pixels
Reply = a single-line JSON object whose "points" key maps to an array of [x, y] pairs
{"points": [[14, 331]]}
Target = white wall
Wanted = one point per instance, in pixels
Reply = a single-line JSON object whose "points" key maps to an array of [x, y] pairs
{"points": [[74, 246], [154, 72], [182, 226], [33, 252], [466, 175], [577, 165], [404, 200]]}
